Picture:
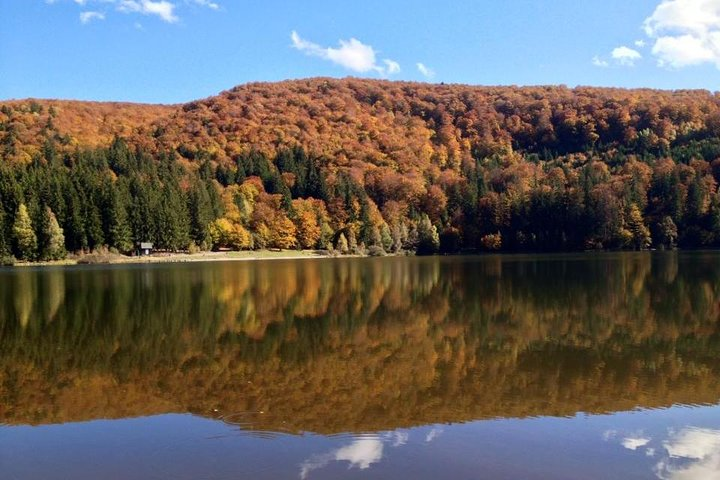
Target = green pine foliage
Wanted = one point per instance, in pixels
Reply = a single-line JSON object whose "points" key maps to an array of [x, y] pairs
{"points": [[24, 235], [121, 195]]}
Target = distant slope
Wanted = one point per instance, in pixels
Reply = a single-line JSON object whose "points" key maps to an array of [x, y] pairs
{"points": [[405, 126], [26, 124], [413, 125]]}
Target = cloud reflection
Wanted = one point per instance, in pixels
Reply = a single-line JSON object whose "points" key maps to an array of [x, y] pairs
{"points": [[633, 443], [433, 434], [361, 453], [692, 454], [688, 454]]}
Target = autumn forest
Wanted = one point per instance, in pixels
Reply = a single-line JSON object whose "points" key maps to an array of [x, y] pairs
{"points": [[363, 167]]}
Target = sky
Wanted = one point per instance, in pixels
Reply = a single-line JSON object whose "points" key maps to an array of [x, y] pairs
{"points": [[172, 51]]}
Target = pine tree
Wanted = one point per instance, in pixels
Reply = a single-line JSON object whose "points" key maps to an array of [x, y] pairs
{"points": [[201, 214], [640, 233], [4, 244], [428, 238], [24, 235], [93, 226], [54, 238], [668, 232], [386, 237], [342, 244], [119, 234], [352, 241]]}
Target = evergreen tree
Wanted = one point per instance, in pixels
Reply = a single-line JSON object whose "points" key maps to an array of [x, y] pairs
{"points": [[342, 244], [94, 227], [201, 214], [640, 234], [386, 238], [24, 235], [428, 237], [119, 234], [4, 244], [668, 232], [172, 221], [53, 247]]}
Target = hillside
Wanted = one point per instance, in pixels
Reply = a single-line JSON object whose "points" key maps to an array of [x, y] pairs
{"points": [[397, 124], [26, 124], [395, 165]]}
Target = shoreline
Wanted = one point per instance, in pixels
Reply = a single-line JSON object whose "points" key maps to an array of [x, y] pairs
{"points": [[258, 255], [233, 256]]}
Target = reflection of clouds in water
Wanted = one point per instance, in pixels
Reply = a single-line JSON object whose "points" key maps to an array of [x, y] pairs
{"points": [[633, 443], [693, 454], [690, 454], [397, 439], [361, 453], [608, 434], [433, 434]]}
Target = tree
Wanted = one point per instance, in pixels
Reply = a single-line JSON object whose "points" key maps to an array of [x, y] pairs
{"points": [[668, 232], [428, 237], [283, 233], [115, 215], [386, 238], [54, 239], [640, 233], [24, 235], [308, 230], [342, 244], [201, 214]]}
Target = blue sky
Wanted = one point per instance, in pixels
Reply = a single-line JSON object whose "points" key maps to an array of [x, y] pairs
{"points": [[167, 51]]}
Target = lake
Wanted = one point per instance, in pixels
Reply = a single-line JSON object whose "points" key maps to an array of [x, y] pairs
{"points": [[583, 366]]}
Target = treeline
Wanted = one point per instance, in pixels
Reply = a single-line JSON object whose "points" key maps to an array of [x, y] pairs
{"points": [[119, 196]]}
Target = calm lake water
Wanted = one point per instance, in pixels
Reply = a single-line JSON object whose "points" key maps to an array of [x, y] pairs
{"points": [[589, 366]]}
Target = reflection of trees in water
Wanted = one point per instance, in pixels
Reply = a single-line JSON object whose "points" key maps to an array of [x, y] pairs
{"points": [[361, 344]]}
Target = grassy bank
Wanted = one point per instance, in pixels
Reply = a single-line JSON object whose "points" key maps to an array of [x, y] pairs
{"points": [[111, 258]]}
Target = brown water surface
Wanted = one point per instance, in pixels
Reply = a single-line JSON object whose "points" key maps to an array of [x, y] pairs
{"points": [[566, 366]]}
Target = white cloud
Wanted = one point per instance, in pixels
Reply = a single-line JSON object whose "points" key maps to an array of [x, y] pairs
{"points": [[351, 54], [86, 17], [685, 32], [599, 62], [426, 72], [684, 51], [391, 66], [206, 3], [162, 8], [640, 43], [625, 56]]}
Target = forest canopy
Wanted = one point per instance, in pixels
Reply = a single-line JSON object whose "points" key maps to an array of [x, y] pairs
{"points": [[364, 166]]}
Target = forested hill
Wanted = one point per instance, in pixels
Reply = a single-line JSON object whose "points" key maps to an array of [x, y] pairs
{"points": [[353, 164]]}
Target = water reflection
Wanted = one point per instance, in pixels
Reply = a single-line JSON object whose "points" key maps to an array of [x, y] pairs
{"points": [[687, 453], [361, 453], [361, 345]]}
